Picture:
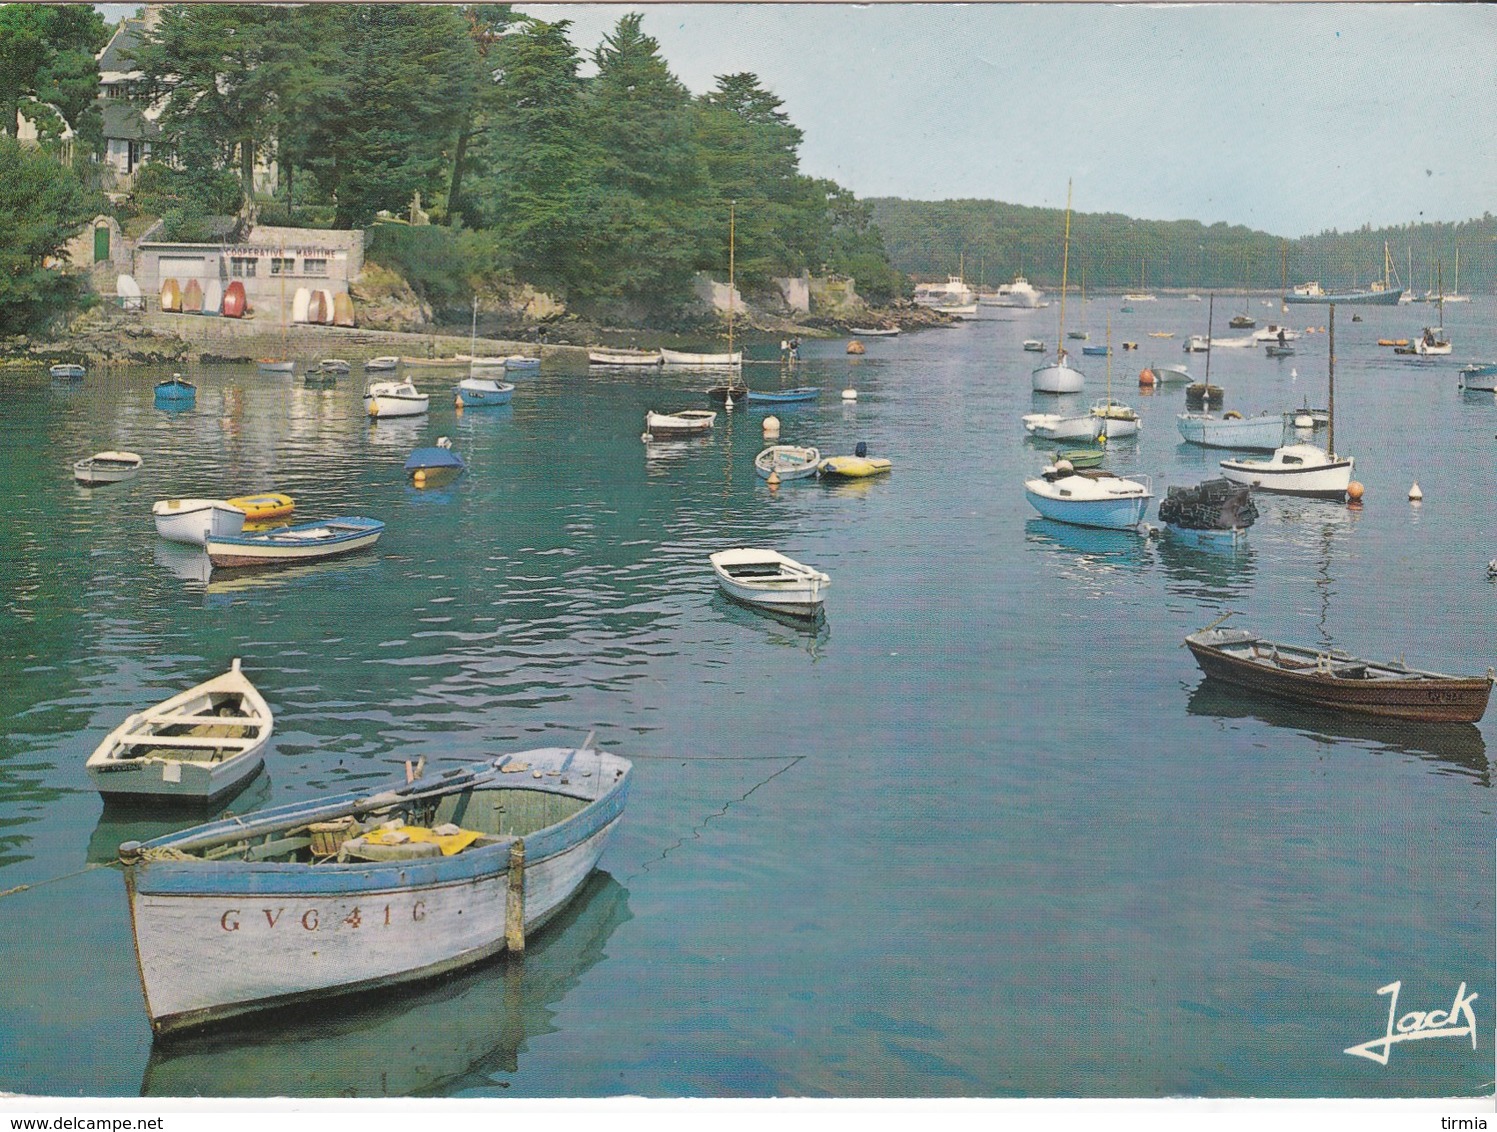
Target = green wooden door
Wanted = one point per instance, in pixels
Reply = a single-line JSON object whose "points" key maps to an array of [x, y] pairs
{"points": [[101, 243]]}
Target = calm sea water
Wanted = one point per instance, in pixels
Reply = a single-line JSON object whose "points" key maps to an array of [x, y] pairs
{"points": [[984, 832]]}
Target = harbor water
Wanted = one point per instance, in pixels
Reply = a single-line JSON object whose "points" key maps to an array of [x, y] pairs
{"points": [[983, 831]]}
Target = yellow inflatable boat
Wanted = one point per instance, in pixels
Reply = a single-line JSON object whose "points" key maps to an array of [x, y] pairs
{"points": [[264, 506], [855, 467]]}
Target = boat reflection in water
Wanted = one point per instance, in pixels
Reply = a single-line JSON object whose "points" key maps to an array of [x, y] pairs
{"points": [[1456, 748], [1089, 545], [226, 584], [142, 818], [778, 628], [1208, 570], [190, 563], [459, 1031]]}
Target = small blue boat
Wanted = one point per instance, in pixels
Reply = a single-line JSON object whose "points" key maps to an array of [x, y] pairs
{"points": [[1096, 351], [477, 392], [304, 542], [437, 461], [176, 391], [783, 396]]}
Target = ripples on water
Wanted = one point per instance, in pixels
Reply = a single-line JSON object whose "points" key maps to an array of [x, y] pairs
{"points": [[988, 785]]}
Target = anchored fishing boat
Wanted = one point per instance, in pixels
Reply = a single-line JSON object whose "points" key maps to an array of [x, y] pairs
{"points": [[394, 399], [1333, 679], [195, 746], [1089, 498], [364, 890]]}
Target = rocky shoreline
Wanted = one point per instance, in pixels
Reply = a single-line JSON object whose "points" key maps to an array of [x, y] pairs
{"points": [[108, 337]]}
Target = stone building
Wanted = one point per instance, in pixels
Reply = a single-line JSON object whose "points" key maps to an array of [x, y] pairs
{"points": [[272, 263]]}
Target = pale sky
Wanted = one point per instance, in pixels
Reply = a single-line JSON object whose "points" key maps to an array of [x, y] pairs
{"points": [[1289, 118]]}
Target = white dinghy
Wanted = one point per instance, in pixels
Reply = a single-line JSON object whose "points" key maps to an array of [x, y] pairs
{"points": [[196, 746], [105, 467], [195, 520], [768, 579]]}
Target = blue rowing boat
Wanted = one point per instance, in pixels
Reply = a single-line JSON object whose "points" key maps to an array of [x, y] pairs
{"points": [[304, 542], [176, 391], [783, 396]]}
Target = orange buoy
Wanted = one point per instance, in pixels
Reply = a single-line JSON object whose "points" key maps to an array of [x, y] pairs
{"points": [[1354, 491], [856, 347], [1146, 376]]}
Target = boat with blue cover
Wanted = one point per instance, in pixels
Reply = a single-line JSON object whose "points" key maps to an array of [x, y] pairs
{"points": [[438, 461], [366, 889], [301, 542]]}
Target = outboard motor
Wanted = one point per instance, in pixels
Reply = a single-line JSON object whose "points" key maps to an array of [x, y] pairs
{"points": [[861, 450]]}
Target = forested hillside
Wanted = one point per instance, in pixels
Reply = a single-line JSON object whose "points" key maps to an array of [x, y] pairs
{"points": [[991, 242]]}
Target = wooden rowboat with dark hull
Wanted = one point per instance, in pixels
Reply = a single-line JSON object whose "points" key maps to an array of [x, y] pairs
{"points": [[1334, 679]]}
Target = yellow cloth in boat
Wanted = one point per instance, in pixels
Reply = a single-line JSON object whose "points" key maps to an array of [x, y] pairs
{"points": [[448, 843]]}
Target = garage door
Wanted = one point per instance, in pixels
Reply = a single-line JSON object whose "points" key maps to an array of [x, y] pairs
{"points": [[184, 267]]}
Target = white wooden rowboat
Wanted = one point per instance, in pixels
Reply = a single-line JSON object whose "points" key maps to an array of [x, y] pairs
{"points": [[683, 358], [194, 520], [787, 461], [685, 422], [601, 356], [196, 746], [106, 467], [365, 890], [769, 579]]}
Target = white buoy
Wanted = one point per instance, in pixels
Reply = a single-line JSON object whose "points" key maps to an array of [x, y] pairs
{"points": [[771, 426], [849, 395], [1415, 495], [1293, 374]]}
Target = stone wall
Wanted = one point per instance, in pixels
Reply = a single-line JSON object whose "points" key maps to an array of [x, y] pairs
{"points": [[796, 293], [835, 296]]}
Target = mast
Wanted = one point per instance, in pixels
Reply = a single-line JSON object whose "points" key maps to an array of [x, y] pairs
{"points": [[1330, 411], [1440, 295], [732, 236], [1210, 316], [1065, 267], [1283, 275]]}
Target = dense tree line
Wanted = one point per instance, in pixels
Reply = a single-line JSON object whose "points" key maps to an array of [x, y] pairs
{"points": [[611, 189], [991, 242]]}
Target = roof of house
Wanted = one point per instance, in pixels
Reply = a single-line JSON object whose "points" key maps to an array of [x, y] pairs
{"points": [[125, 120], [126, 39]]}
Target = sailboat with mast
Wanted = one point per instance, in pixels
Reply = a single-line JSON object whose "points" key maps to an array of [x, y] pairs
{"points": [[1059, 376], [1432, 341], [1141, 295], [1301, 469], [733, 359], [1455, 295]]}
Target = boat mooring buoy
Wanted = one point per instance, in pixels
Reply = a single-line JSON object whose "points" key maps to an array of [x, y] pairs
{"points": [[771, 426], [1354, 492], [774, 479], [849, 395], [1415, 494]]}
